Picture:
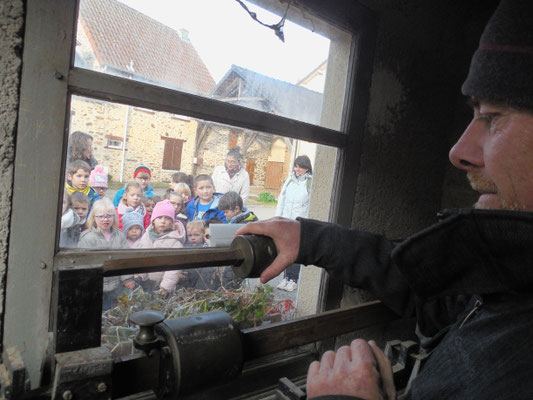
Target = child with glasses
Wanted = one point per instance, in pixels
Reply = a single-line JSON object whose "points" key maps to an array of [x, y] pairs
{"points": [[142, 175], [179, 202], [103, 233]]}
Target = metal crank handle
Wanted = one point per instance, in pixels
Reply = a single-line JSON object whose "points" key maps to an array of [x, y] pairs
{"points": [[258, 252]]}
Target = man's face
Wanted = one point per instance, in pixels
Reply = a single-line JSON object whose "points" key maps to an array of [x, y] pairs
{"points": [[232, 164], [80, 179], [496, 151], [80, 208], [229, 214], [204, 190]]}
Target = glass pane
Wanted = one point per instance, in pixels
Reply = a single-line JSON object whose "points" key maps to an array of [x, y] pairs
{"points": [[143, 153], [214, 49]]}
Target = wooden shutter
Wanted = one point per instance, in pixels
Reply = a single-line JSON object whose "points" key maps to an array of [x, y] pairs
{"points": [[172, 153], [233, 139], [273, 175], [250, 168]]}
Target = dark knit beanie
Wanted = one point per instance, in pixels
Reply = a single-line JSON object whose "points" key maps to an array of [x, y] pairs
{"points": [[141, 168], [502, 67]]}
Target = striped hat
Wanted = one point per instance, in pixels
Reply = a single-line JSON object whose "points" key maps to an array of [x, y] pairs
{"points": [[142, 168]]}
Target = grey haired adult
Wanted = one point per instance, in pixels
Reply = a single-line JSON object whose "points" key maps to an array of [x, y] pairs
{"points": [[232, 176]]}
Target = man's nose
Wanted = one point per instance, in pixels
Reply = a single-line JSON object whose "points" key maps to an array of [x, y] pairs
{"points": [[467, 153]]}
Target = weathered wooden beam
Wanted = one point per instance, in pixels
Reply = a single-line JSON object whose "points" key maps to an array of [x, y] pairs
{"points": [[127, 91], [274, 338]]}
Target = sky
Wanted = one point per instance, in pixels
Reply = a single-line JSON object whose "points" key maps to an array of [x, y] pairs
{"points": [[223, 34]]}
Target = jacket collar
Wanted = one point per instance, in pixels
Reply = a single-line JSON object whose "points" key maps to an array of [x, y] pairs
{"points": [[470, 252]]}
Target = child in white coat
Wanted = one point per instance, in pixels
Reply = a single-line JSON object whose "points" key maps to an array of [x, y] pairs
{"points": [[163, 233]]}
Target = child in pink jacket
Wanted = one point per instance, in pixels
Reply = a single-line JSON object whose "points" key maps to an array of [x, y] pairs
{"points": [[163, 233]]}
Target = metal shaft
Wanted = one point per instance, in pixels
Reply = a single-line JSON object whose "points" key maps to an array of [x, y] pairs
{"points": [[179, 259]]}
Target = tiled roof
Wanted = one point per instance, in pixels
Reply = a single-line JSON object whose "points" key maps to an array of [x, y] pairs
{"points": [[278, 97], [121, 36]]}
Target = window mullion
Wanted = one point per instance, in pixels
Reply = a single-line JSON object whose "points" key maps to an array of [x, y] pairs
{"points": [[138, 94], [48, 43]]}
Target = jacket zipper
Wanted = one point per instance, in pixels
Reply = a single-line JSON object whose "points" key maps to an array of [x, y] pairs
{"points": [[475, 309]]}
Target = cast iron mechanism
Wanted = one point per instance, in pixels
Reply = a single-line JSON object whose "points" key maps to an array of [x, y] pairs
{"points": [[146, 339], [206, 349], [258, 252]]}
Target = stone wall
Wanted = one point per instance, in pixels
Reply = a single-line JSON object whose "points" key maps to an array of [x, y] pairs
{"points": [[11, 34], [215, 147], [144, 143]]}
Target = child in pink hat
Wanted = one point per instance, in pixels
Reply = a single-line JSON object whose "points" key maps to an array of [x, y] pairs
{"points": [[98, 180], [163, 233]]}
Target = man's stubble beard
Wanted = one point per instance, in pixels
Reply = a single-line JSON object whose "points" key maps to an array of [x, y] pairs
{"points": [[483, 185]]}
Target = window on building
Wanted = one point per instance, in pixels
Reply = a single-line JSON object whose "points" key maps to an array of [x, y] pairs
{"points": [[193, 109], [114, 144]]}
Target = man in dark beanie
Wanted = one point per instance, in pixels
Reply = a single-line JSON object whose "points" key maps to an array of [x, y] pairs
{"points": [[468, 279]]}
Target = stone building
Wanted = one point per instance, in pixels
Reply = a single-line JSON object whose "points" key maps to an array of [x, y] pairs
{"points": [[122, 41], [268, 157], [108, 39]]}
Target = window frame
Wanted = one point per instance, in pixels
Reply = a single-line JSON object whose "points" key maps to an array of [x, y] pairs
{"points": [[49, 80]]}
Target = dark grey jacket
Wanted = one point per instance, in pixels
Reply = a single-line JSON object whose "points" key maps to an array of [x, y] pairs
{"points": [[468, 280]]}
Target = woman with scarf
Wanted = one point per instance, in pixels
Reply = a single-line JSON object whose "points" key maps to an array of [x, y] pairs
{"points": [[293, 202], [231, 177]]}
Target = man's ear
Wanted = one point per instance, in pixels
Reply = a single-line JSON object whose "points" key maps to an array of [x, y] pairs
{"points": [[69, 177], [237, 210]]}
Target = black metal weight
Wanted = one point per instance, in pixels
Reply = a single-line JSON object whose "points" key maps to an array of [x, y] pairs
{"points": [[258, 252], [206, 349]]}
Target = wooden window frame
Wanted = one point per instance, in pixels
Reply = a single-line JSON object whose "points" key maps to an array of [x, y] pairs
{"points": [[47, 66]]}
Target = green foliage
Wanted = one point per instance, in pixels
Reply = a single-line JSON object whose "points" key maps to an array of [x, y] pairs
{"points": [[266, 197], [247, 308]]}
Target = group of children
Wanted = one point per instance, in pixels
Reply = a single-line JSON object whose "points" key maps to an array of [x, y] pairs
{"points": [[136, 218]]}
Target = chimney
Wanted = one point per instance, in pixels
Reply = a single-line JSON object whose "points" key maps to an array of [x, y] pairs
{"points": [[184, 34]]}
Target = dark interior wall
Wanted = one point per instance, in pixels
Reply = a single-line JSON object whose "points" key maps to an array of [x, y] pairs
{"points": [[415, 113]]}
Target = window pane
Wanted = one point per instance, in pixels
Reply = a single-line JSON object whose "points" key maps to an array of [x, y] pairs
{"points": [[154, 143], [213, 48]]}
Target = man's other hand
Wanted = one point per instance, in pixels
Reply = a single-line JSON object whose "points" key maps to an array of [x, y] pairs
{"points": [[359, 370], [286, 235]]}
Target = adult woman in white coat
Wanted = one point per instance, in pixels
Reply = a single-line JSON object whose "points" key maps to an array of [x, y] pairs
{"points": [[232, 177], [293, 202]]}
